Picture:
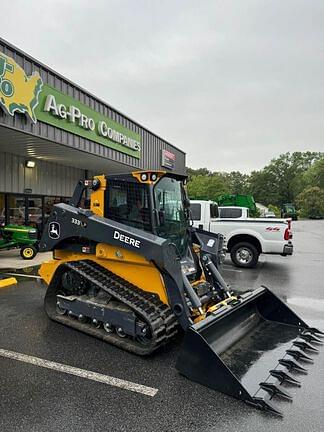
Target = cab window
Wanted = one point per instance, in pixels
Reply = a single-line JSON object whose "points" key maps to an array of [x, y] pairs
{"points": [[231, 213]]}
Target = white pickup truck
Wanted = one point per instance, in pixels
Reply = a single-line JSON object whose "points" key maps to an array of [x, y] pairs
{"points": [[245, 239]]}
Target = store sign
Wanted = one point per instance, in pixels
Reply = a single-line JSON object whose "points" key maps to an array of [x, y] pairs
{"points": [[66, 113], [28, 95], [18, 92], [168, 159]]}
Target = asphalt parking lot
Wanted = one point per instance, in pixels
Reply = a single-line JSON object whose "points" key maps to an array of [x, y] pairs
{"points": [[34, 398]]}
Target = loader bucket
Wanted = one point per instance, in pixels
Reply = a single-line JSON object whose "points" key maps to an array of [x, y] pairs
{"points": [[250, 350]]}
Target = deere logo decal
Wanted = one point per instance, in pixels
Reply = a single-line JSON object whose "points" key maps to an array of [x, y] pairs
{"points": [[18, 92]]}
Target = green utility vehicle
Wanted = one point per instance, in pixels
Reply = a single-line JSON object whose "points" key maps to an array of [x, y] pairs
{"points": [[20, 237], [238, 200], [288, 211]]}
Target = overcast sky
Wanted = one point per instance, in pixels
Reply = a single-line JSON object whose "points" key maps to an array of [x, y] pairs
{"points": [[233, 83]]}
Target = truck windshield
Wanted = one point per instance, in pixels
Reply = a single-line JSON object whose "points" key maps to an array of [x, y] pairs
{"points": [[169, 196], [290, 209]]}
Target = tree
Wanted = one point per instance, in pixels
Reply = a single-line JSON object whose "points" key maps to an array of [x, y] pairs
{"points": [[287, 172], [261, 185], [311, 202], [282, 179], [275, 210], [314, 176], [207, 187], [237, 182], [277, 183], [196, 172]]}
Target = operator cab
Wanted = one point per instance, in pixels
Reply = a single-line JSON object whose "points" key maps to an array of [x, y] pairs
{"points": [[154, 202], [150, 201]]}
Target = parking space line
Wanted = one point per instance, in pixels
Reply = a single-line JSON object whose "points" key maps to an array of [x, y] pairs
{"points": [[94, 376]]}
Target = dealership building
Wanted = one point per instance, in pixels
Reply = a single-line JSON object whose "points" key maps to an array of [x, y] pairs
{"points": [[53, 133]]}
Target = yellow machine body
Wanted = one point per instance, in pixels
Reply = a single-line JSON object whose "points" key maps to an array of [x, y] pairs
{"points": [[126, 264]]}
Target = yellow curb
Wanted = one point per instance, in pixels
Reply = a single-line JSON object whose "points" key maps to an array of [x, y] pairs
{"points": [[7, 282]]}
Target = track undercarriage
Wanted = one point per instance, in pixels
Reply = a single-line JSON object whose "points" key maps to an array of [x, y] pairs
{"points": [[90, 298]]}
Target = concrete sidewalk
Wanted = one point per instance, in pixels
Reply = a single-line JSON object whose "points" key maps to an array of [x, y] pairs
{"points": [[11, 259]]}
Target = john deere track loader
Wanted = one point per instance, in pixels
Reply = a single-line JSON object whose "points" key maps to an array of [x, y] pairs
{"points": [[133, 272]]}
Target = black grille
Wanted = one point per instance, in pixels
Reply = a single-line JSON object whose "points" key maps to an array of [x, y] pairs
{"points": [[128, 203]]}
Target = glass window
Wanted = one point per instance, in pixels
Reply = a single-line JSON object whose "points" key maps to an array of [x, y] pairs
{"points": [[195, 211], [231, 213], [16, 209], [168, 198], [118, 196], [168, 195], [34, 212], [48, 205], [289, 209], [2, 210], [128, 203], [49, 202]]}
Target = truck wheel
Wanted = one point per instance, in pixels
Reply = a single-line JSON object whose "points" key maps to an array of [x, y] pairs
{"points": [[244, 255], [28, 252]]}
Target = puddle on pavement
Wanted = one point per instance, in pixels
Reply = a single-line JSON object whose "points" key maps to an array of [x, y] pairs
{"points": [[23, 274], [308, 303]]}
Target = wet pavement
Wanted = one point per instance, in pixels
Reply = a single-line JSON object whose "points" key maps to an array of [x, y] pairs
{"points": [[12, 259], [37, 399]]}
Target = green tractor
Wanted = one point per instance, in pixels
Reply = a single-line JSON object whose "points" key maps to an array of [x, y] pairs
{"points": [[288, 211], [20, 237]]}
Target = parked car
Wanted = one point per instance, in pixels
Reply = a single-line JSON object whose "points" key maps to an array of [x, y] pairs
{"points": [[269, 214], [245, 239]]}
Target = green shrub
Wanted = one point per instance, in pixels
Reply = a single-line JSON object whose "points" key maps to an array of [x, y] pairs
{"points": [[311, 202], [275, 210]]}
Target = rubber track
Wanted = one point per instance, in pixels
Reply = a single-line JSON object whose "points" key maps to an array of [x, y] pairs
{"points": [[157, 315]]}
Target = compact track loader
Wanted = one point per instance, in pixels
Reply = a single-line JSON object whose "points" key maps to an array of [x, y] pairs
{"points": [[132, 271]]}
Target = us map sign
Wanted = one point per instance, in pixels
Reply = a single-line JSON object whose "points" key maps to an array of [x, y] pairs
{"points": [[28, 95], [18, 92]]}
